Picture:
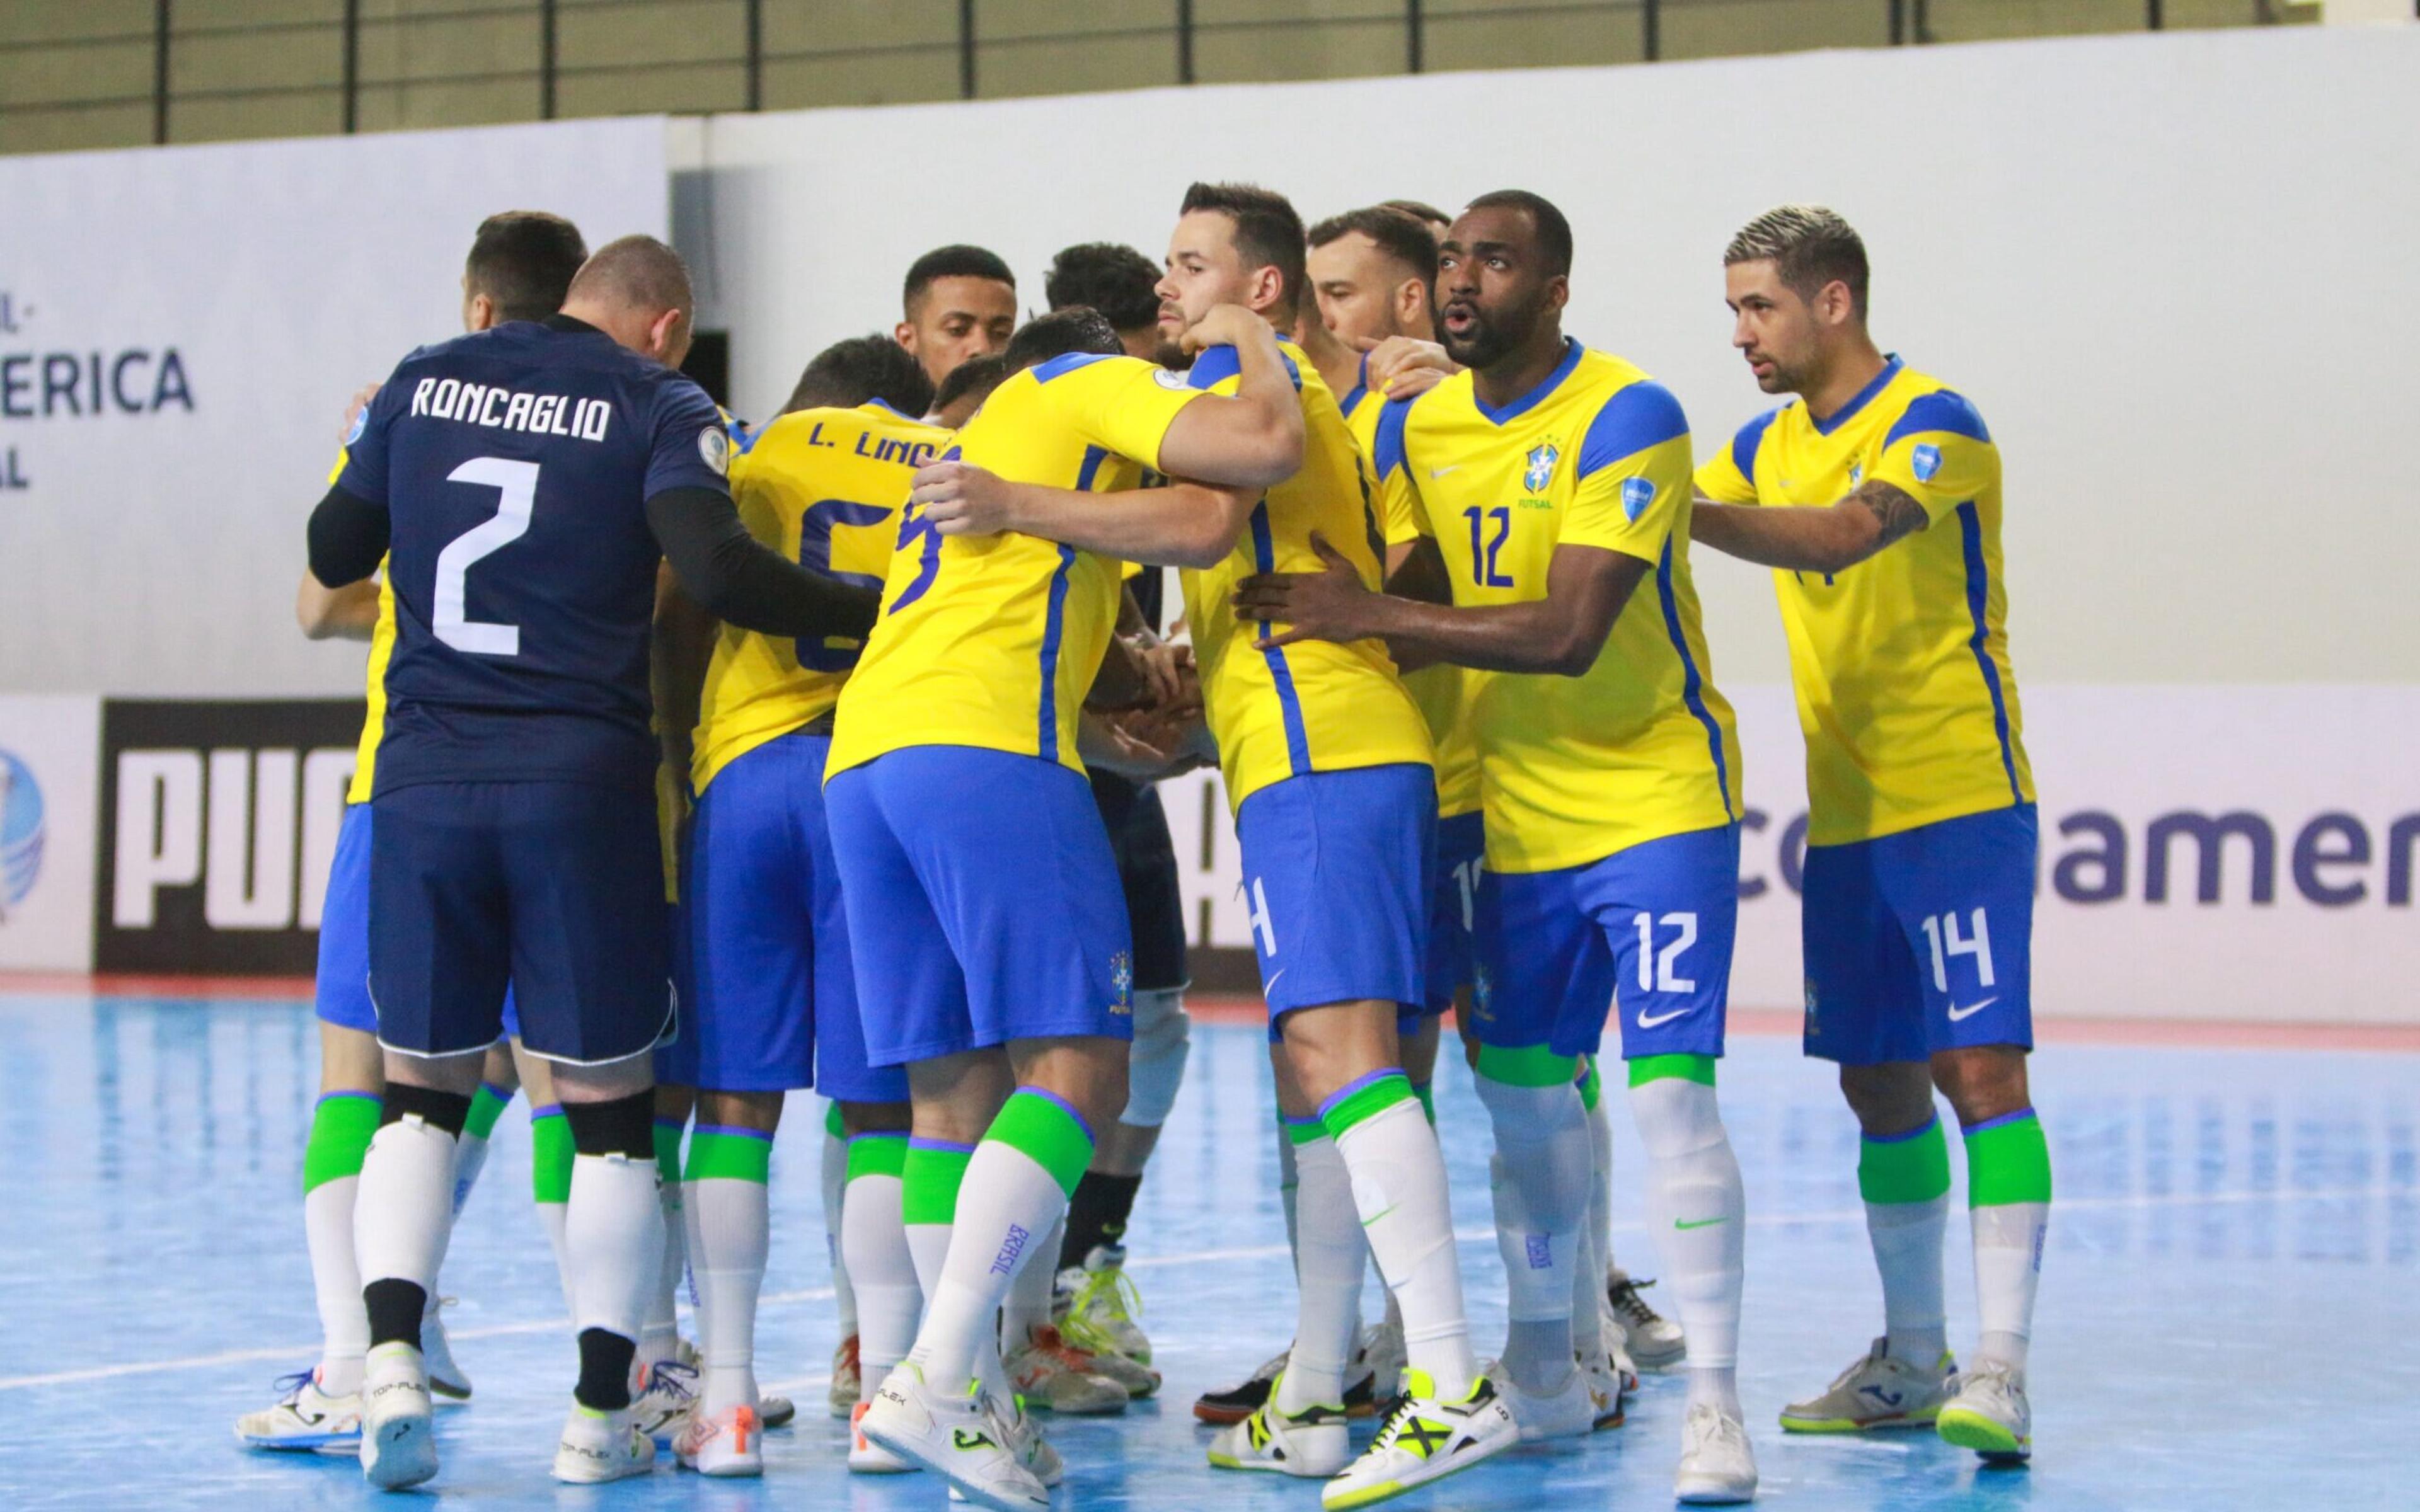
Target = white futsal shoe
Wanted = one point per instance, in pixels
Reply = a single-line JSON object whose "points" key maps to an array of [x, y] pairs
{"points": [[596, 1447], [304, 1419], [1989, 1414], [666, 1398], [1717, 1466], [1425, 1439], [1309, 1442], [446, 1380], [729, 1442], [1609, 1387], [1877, 1392], [398, 1431], [1655, 1342], [865, 1457], [958, 1435], [1568, 1411]]}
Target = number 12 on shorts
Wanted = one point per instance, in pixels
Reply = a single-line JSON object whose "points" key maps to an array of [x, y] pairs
{"points": [[1660, 972], [1941, 933]]}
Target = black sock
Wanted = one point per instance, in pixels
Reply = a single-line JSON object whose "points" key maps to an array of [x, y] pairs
{"points": [[1097, 1215], [605, 1359], [395, 1308]]}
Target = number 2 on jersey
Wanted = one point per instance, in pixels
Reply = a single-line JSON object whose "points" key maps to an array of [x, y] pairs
{"points": [[1483, 558], [516, 484]]}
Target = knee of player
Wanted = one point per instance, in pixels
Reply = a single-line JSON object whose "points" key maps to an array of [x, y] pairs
{"points": [[1889, 1099], [616, 1126], [1982, 1081], [877, 1118]]}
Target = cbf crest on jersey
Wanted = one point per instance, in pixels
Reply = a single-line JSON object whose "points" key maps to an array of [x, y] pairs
{"points": [[1541, 470]]}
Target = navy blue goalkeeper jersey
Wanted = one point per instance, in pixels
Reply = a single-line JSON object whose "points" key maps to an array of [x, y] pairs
{"points": [[514, 465]]}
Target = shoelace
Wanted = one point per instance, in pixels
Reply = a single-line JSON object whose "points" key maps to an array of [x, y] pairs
{"points": [[667, 1374], [1405, 1411], [290, 1388], [1109, 1293], [1632, 1306]]}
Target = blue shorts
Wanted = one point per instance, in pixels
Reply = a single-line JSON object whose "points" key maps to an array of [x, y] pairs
{"points": [[1922, 941], [1336, 885], [769, 1000], [553, 889], [342, 992], [984, 904], [1647, 931], [1453, 898]]}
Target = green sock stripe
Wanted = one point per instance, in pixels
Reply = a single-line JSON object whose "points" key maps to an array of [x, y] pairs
{"points": [[929, 1177], [878, 1154], [1048, 1130], [486, 1103], [730, 1155], [551, 1153], [1427, 1095], [1697, 1069], [668, 1150], [2008, 1161], [1532, 1065], [1591, 1087], [833, 1124], [1300, 1132], [1359, 1101], [341, 1127], [1909, 1167]]}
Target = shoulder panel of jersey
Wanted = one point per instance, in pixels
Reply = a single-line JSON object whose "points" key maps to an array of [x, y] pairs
{"points": [[1641, 745], [824, 488], [381, 650], [1313, 706], [1922, 723], [992, 640]]}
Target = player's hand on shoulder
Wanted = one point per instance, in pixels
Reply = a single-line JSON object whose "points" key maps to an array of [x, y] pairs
{"points": [[1310, 606], [1404, 367], [1226, 325], [961, 499], [360, 401]]}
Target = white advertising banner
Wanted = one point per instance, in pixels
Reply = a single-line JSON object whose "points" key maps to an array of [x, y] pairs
{"points": [[179, 330], [49, 764], [2214, 853]]}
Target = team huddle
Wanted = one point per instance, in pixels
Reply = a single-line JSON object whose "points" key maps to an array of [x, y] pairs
{"points": [[706, 764]]}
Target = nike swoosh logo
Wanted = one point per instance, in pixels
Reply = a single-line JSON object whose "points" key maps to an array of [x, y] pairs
{"points": [[1957, 1013], [1646, 1023], [1697, 1222], [1380, 1214], [1439, 472], [1270, 985]]}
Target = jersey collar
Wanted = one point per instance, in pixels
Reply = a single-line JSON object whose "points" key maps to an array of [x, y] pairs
{"points": [[1892, 369], [1572, 350], [1360, 385], [877, 403]]}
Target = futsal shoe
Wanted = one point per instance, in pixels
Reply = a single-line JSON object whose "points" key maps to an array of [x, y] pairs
{"points": [[666, 1398], [1568, 1411], [1877, 1392], [1989, 1415], [1426, 1438], [447, 1381], [1033, 1451], [306, 1419], [1232, 1404], [1609, 1387], [1050, 1374], [1717, 1466], [1101, 1305], [1378, 1353], [957, 1435], [596, 1447], [866, 1458], [729, 1442], [1309, 1442], [847, 1385], [776, 1412], [1617, 1345], [398, 1433], [1655, 1342]]}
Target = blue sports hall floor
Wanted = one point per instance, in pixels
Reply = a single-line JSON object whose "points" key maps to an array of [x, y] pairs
{"points": [[2229, 1316]]}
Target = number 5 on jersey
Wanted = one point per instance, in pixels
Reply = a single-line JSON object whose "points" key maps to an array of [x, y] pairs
{"points": [[516, 484]]}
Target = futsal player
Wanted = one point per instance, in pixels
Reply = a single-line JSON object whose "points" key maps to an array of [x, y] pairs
{"points": [[1551, 482], [516, 838], [959, 302], [1874, 494]]}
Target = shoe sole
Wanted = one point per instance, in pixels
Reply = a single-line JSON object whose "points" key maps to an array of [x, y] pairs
{"points": [[581, 1473], [1973, 1431], [405, 1452], [1226, 1462], [1224, 1415], [316, 1443], [779, 1411], [1850, 1424], [1372, 1496], [959, 1489], [1104, 1407], [1713, 1496]]}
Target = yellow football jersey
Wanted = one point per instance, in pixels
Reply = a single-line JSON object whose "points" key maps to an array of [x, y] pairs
{"points": [[1441, 690], [1905, 688], [1313, 706], [381, 651], [1574, 769], [993, 641], [823, 487]]}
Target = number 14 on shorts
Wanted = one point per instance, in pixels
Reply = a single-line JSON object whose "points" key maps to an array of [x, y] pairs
{"points": [[1942, 932]]}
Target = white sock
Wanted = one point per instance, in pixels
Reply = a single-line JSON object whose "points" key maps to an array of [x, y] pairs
{"points": [[1588, 1297], [1699, 1211], [1027, 1306], [1327, 1269], [2007, 1267], [1399, 1190], [1543, 1172], [549, 1215], [1289, 1190], [404, 1205], [1600, 1219], [832, 1173], [889, 1299], [336, 1283], [613, 1232], [660, 1335], [729, 1222], [1906, 1238], [1006, 1205]]}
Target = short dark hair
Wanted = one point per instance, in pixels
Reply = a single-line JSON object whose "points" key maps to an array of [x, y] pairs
{"points": [[850, 373], [1077, 329], [1418, 209], [1116, 280], [639, 271], [522, 261], [956, 260], [1809, 246], [1554, 232], [977, 375], [1268, 231], [1399, 234]]}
